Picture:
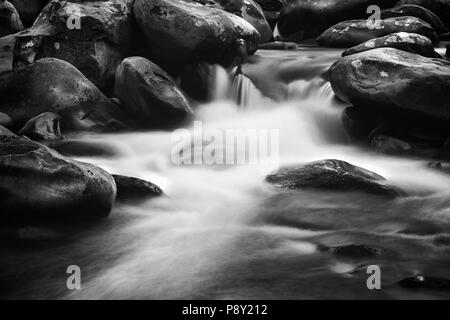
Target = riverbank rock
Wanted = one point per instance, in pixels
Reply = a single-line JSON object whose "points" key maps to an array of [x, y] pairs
{"points": [[333, 175], [182, 32], [46, 126], [354, 32], [307, 19], [415, 11], [149, 94], [37, 184], [94, 36], [441, 8], [409, 42], [53, 85], [29, 9], [9, 19], [131, 189], [387, 78]]}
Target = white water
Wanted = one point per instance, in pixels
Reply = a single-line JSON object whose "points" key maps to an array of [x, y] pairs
{"points": [[225, 233]]}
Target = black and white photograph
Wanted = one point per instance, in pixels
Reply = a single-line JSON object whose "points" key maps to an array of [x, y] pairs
{"points": [[224, 154]]}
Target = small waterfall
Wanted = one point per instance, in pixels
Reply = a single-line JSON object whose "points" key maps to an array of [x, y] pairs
{"points": [[245, 93]]}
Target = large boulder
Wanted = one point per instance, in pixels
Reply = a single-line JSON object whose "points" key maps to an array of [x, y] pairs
{"points": [[181, 32], [148, 93], [94, 36], [9, 19], [354, 32], [333, 175], [46, 126], [29, 9], [37, 184], [309, 18], [410, 42], [53, 85], [415, 11], [388, 78], [439, 7]]}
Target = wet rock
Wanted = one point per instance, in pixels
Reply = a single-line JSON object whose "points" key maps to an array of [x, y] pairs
{"points": [[278, 45], [95, 44], [80, 148], [358, 123], [356, 251], [199, 80], [425, 283], [333, 175], [392, 79], [272, 18], [441, 8], [150, 94], [182, 32], [271, 5], [9, 19], [440, 166], [418, 12], [53, 85], [5, 120], [29, 9], [39, 185], [131, 189], [46, 126], [390, 145], [354, 32], [309, 19], [409, 42]]}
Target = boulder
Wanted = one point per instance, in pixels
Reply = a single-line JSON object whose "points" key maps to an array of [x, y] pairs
{"points": [[335, 175], [9, 19], [358, 123], [149, 94], [37, 184], [390, 145], [278, 45], [388, 78], [131, 189], [29, 9], [441, 8], [415, 11], [410, 42], [199, 81], [5, 120], [95, 45], [309, 18], [182, 32], [46, 126], [354, 32], [53, 85], [425, 283]]}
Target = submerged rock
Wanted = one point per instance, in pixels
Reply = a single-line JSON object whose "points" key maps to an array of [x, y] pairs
{"points": [[278, 45], [9, 19], [46, 126], [37, 184], [415, 11], [356, 251], [409, 42], [182, 32], [354, 32], [426, 283], [333, 175], [388, 78], [150, 94], [53, 85], [390, 145], [131, 189]]}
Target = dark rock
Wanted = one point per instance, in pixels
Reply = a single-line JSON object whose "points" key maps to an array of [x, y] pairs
{"points": [[425, 283], [388, 78], [354, 32], [333, 175], [356, 251], [441, 8], [390, 145], [199, 80], [53, 85], [104, 37], [29, 9], [37, 184], [5, 120], [309, 19], [182, 32], [358, 123], [278, 45], [418, 12], [272, 18], [46, 126], [271, 5], [6, 54], [150, 94], [133, 189], [440, 166], [80, 148], [409, 42], [9, 19]]}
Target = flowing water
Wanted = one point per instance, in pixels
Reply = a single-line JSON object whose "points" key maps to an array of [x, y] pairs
{"points": [[221, 232]]}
